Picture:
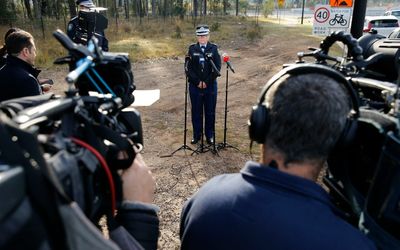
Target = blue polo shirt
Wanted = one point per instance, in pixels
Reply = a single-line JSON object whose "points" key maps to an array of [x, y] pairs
{"points": [[263, 208]]}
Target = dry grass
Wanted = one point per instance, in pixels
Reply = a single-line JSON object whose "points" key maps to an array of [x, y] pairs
{"points": [[153, 38]]}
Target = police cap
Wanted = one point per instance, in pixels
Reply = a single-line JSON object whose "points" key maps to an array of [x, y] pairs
{"points": [[85, 3], [202, 30]]}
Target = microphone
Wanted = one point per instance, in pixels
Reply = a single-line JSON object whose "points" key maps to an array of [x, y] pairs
{"points": [[201, 62], [227, 61]]}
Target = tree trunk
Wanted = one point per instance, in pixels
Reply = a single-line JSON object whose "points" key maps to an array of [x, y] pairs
{"points": [[126, 8], [153, 8], [72, 8], [165, 9], [181, 9], [36, 9], [205, 8], [224, 4], [28, 9], [146, 8], [195, 7], [237, 7], [57, 9], [137, 8]]}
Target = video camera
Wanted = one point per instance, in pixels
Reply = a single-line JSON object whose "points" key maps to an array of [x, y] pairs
{"points": [[90, 23], [54, 150], [364, 178]]}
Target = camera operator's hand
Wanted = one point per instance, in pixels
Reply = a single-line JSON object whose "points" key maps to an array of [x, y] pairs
{"points": [[138, 183], [46, 84], [46, 87]]}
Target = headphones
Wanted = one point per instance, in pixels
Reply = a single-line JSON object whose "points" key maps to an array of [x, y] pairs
{"points": [[259, 118]]}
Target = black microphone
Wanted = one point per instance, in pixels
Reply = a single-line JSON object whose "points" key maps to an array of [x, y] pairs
{"points": [[227, 60], [201, 62]]}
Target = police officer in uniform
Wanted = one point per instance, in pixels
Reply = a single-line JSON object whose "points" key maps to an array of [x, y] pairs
{"points": [[75, 33], [203, 84]]}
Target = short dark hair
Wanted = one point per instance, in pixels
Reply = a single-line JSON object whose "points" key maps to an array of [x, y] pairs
{"points": [[3, 50], [17, 41], [308, 115]]}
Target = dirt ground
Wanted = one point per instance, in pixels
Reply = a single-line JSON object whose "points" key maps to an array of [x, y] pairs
{"points": [[180, 176]]}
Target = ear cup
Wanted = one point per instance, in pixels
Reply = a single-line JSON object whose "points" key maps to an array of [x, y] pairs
{"points": [[348, 134], [258, 123], [259, 120]]}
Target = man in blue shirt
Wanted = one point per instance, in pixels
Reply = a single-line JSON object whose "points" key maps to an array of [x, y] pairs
{"points": [[277, 204]]}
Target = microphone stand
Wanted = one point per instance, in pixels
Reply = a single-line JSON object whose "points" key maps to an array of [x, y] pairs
{"points": [[225, 144], [184, 146]]}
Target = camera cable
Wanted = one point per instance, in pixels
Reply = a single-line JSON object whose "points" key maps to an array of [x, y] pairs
{"points": [[106, 168]]}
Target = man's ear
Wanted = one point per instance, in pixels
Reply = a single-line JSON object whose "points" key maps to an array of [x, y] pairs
{"points": [[25, 51]]}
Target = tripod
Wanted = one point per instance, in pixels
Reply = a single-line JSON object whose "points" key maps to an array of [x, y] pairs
{"points": [[224, 144], [184, 146]]}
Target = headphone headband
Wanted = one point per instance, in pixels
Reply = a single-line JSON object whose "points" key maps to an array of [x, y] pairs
{"points": [[308, 68], [260, 118]]}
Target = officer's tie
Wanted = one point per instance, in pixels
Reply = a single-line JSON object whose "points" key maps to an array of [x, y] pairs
{"points": [[203, 48]]}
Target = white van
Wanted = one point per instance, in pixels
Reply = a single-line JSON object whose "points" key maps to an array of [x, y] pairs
{"points": [[384, 25]]}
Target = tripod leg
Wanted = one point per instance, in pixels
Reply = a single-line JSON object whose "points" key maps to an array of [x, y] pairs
{"points": [[184, 146], [224, 144]]}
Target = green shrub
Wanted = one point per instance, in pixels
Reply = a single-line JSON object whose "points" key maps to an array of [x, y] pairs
{"points": [[215, 26], [178, 32]]}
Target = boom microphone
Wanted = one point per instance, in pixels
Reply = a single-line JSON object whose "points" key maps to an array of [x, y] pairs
{"points": [[227, 60]]}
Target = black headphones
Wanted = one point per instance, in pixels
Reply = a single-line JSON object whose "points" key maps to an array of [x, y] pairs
{"points": [[259, 118]]}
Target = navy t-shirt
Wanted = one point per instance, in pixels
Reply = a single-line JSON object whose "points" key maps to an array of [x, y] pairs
{"points": [[263, 208]]}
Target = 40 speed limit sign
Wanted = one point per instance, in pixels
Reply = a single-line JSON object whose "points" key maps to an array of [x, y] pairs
{"points": [[328, 19], [321, 14]]}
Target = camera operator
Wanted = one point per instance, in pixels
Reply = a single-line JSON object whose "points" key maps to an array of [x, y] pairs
{"points": [[76, 33], [135, 227], [203, 84], [18, 77], [138, 215], [3, 50], [277, 204]]}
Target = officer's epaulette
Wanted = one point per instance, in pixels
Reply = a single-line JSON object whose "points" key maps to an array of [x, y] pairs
{"points": [[193, 44], [213, 44], [75, 17]]}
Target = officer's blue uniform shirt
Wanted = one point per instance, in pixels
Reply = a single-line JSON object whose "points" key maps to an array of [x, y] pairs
{"points": [[200, 68], [263, 208]]}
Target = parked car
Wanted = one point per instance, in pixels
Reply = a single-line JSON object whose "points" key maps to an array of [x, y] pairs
{"points": [[395, 34], [394, 12], [384, 25]]}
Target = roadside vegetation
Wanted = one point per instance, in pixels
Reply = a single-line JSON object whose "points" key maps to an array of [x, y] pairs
{"points": [[158, 38]]}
